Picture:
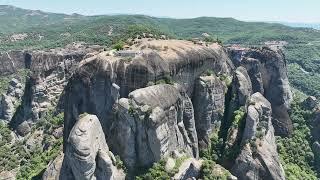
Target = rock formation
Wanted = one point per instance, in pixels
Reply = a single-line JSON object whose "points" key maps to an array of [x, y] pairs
{"points": [[49, 73], [258, 158], [100, 79], [153, 99], [11, 62], [155, 120], [268, 74], [10, 100], [87, 153], [209, 101]]}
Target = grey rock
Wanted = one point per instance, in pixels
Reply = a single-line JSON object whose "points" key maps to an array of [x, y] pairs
{"points": [[208, 102], [87, 153], [58, 170], [315, 124], [34, 140], [310, 103], [157, 120], [23, 129], [316, 148], [189, 169], [241, 87], [10, 100], [91, 87], [7, 175], [238, 97], [268, 73], [58, 133], [258, 158], [49, 72]]}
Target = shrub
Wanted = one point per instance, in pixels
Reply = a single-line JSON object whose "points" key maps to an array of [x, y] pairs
{"points": [[118, 46]]}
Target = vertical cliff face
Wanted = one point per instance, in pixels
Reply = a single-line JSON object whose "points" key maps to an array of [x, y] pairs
{"points": [[209, 101], [12, 61], [149, 123], [162, 97], [152, 123], [48, 75], [95, 86], [87, 153], [268, 74], [258, 158]]}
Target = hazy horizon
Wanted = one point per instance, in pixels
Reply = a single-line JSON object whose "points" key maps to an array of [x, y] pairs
{"points": [[247, 10]]}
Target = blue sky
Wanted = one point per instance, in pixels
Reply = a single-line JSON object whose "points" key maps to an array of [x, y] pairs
{"points": [[307, 11]]}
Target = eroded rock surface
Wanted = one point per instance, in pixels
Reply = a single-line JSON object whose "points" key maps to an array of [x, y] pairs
{"points": [[268, 73], [259, 158], [87, 153], [101, 79], [49, 73], [208, 101], [11, 100], [156, 121]]}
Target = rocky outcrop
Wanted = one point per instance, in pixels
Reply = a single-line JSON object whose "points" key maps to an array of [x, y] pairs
{"points": [[87, 153], [315, 124], [268, 74], [53, 170], [7, 175], [11, 62], [49, 73], [258, 158], [11, 100], [152, 123], [310, 103], [101, 79], [189, 169], [209, 101]]}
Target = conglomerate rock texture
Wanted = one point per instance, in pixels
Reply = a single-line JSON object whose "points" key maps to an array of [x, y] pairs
{"points": [[101, 79], [259, 158], [209, 103], [10, 100], [156, 121], [153, 99], [49, 73], [87, 155], [268, 74]]}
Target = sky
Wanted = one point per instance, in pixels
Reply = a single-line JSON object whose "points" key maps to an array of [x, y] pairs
{"points": [[303, 11]]}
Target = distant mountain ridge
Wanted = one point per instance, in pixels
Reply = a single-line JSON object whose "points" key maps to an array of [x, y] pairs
{"points": [[304, 25], [43, 30]]}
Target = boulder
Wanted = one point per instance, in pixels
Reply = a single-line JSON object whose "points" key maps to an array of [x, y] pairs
{"points": [[258, 158], [189, 169], [310, 103], [87, 153], [7, 175]]}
